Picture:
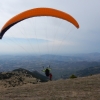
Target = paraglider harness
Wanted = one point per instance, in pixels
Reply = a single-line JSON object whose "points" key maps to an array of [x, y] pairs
{"points": [[47, 72]]}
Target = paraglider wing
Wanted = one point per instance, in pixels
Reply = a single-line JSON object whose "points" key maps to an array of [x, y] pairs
{"points": [[38, 12]]}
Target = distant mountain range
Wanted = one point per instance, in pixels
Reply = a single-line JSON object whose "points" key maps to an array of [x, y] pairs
{"points": [[85, 72], [72, 57], [88, 71], [61, 65]]}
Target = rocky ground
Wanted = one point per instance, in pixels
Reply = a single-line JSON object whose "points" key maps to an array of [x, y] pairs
{"points": [[82, 88]]}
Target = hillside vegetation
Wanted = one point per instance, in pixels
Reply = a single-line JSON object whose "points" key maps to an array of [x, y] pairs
{"points": [[82, 88]]}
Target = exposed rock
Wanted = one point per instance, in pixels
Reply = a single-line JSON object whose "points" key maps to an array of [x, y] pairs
{"points": [[17, 77]]}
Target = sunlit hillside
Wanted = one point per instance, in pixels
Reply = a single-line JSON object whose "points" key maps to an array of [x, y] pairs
{"points": [[82, 88]]}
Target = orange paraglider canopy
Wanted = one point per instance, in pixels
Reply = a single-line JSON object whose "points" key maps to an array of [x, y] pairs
{"points": [[38, 12]]}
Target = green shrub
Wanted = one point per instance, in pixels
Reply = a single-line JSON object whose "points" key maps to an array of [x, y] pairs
{"points": [[73, 76]]}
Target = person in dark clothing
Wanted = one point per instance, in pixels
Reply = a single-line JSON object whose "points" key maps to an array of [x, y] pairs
{"points": [[47, 72]]}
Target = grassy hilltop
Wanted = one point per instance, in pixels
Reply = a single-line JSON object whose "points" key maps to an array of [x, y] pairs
{"points": [[82, 88]]}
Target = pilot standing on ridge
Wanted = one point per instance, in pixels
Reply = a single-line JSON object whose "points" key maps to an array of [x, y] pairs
{"points": [[47, 72]]}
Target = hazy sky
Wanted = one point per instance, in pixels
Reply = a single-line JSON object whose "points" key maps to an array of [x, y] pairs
{"points": [[51, 35]]}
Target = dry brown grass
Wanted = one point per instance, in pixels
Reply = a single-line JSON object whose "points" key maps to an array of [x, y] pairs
{"points": [[86, 88]]}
